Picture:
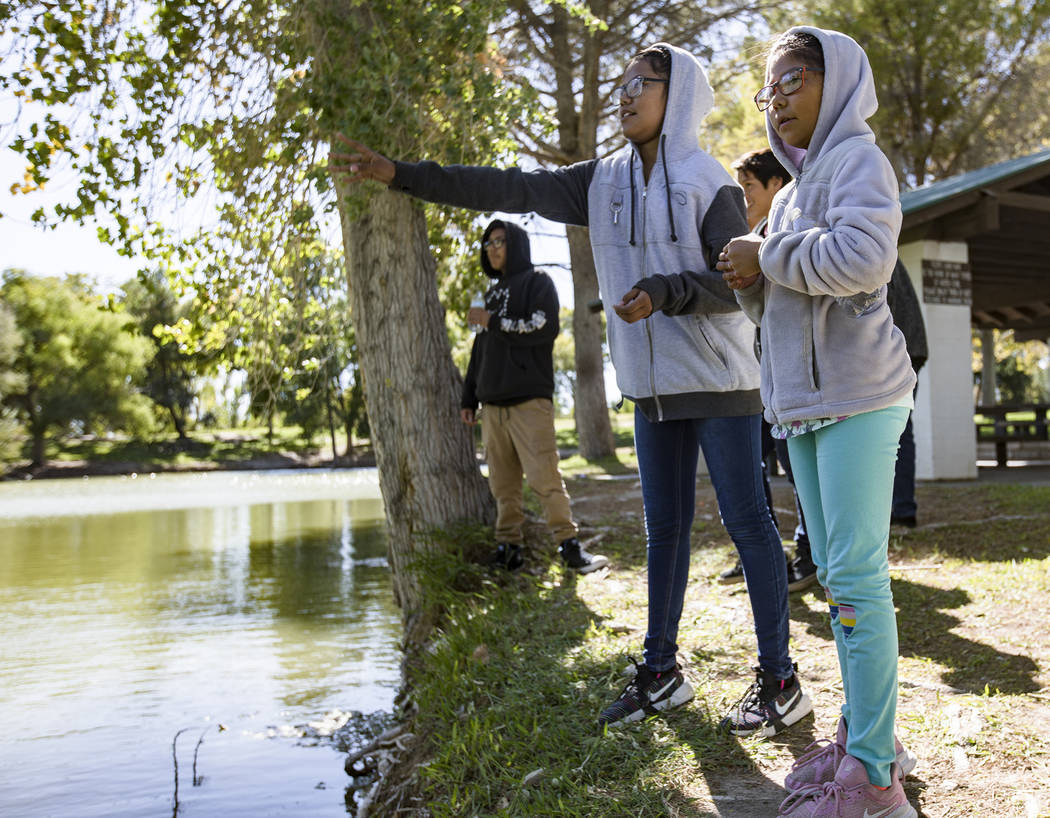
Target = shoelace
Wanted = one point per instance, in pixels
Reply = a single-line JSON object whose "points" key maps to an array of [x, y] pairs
{"points": [[632, 685], [635, 689], [819, 792], [817, 750], [752, 698]]}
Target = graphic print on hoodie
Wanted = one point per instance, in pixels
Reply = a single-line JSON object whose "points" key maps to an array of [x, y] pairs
{"points": [[513, 360]]}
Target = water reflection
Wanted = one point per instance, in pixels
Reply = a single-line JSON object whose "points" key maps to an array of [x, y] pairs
{"points": [[121, 628]]}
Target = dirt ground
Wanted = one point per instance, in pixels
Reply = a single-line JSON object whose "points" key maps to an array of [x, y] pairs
{"points": [[969, 583]]}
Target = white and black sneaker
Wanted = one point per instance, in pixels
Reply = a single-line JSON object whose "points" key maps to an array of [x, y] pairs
{"points": [[647, 694], [578, 558], [769, 706]]}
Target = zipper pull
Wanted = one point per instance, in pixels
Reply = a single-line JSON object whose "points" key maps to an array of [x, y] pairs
{"points": [[616, 207]]}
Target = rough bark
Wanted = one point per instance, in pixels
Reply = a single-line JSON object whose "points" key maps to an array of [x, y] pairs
{"points": [[577, 138], [428, 474]]}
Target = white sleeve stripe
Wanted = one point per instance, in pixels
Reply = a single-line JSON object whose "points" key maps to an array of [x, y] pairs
{"points": [[537, 321]]}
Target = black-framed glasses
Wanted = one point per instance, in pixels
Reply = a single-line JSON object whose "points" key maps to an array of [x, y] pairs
{"points": [[494, 243], [790, 81], [633, 87]]}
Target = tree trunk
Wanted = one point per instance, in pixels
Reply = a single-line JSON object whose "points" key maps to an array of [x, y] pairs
{"points": [[577, 138], [331, 421], [425, 455], [37, 450], [178, 421], [348, 425], [591, 405]]}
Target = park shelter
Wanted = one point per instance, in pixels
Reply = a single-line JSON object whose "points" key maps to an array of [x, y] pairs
{"points": [[977, 247]]}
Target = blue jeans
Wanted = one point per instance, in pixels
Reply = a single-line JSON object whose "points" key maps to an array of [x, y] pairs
{"points": [[667, 458], [904, 474]]}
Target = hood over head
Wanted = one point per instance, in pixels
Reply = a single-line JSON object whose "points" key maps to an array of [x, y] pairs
{"points": [[519, 251], [689, 100], [848, 100]]}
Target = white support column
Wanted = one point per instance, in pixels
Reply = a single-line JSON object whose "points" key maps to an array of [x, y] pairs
{"points": [[945, 443]]}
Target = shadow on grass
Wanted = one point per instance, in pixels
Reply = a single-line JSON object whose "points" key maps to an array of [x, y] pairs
{"points": [[925, 629], [925, 626], [510, 691], [990, 540]]}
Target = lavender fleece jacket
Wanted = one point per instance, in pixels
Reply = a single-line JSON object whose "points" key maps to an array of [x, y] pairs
{"points": [[829, 346]]}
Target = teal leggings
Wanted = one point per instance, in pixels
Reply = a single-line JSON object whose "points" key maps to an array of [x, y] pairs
{"points": [[844, 478]]}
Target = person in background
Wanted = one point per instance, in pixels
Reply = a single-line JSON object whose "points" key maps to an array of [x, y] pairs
{"points": [[761, 175], [907, 316], [511, 374]]}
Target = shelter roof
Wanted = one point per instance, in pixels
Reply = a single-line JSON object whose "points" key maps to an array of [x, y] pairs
{"points": [[1002, 212]]}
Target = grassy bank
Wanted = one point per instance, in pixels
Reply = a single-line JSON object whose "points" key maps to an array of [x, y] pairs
{"points": [[202, 450], [511, 689]]}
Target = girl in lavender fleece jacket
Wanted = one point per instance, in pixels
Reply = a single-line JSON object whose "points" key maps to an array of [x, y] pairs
{"points": [[837, 384]]}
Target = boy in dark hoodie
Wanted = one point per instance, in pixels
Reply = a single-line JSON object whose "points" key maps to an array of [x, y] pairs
{"points": [[511, 374]]}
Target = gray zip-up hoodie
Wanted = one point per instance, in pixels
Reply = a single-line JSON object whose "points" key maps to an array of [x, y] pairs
{"points": [[700, 365], [829, 347]]}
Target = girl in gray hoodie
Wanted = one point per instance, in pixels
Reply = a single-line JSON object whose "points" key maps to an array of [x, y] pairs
{"points": [[837, 384], [659, 211]]}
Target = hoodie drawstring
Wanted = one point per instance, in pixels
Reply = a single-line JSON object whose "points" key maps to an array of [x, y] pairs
{"points": [[667, 189], [630, 172], [667, 184]]}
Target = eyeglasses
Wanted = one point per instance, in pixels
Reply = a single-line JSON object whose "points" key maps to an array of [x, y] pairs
{"points": [[790, 82], [495, 243], [634, 87]]}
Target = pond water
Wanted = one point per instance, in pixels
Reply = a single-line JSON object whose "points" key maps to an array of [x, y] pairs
{"points": [[240, 607]]}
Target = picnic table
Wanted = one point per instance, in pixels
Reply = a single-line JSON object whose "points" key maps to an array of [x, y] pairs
{"points": [[997, 429]]}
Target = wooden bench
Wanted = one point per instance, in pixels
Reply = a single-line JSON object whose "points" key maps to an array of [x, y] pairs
{"points": [[1001, 431]]}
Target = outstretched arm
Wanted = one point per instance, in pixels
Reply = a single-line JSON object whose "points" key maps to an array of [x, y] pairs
{"points": [[559, 195]]}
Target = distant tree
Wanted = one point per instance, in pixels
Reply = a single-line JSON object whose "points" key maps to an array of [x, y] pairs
{"points": [[948, 72], [310, 372], [151, 302], [77, 361], [736, 126], [1021, 373], [10, 383]]}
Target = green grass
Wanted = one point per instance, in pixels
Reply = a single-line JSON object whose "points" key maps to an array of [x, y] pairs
{"points": [[524, 662], [513, 687]]}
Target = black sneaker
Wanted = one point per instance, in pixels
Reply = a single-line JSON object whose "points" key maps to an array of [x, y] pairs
{"points": [[769, 706], [908, 521], [801, 574], [576, 557], [507, 555], [732, 575], [646, 695]]}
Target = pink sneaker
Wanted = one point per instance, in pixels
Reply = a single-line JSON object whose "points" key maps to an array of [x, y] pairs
{"points": [[850, 795], [821, 759]]}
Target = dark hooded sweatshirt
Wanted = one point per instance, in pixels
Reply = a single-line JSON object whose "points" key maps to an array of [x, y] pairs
{"points": [[512, 361]]}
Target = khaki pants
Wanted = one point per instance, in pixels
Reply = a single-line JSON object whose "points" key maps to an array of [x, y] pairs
{"points": [[521, 438]]}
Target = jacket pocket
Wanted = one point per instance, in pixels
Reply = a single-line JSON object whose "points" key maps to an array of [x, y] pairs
{"points": [[809, 357], [709, 349]]}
